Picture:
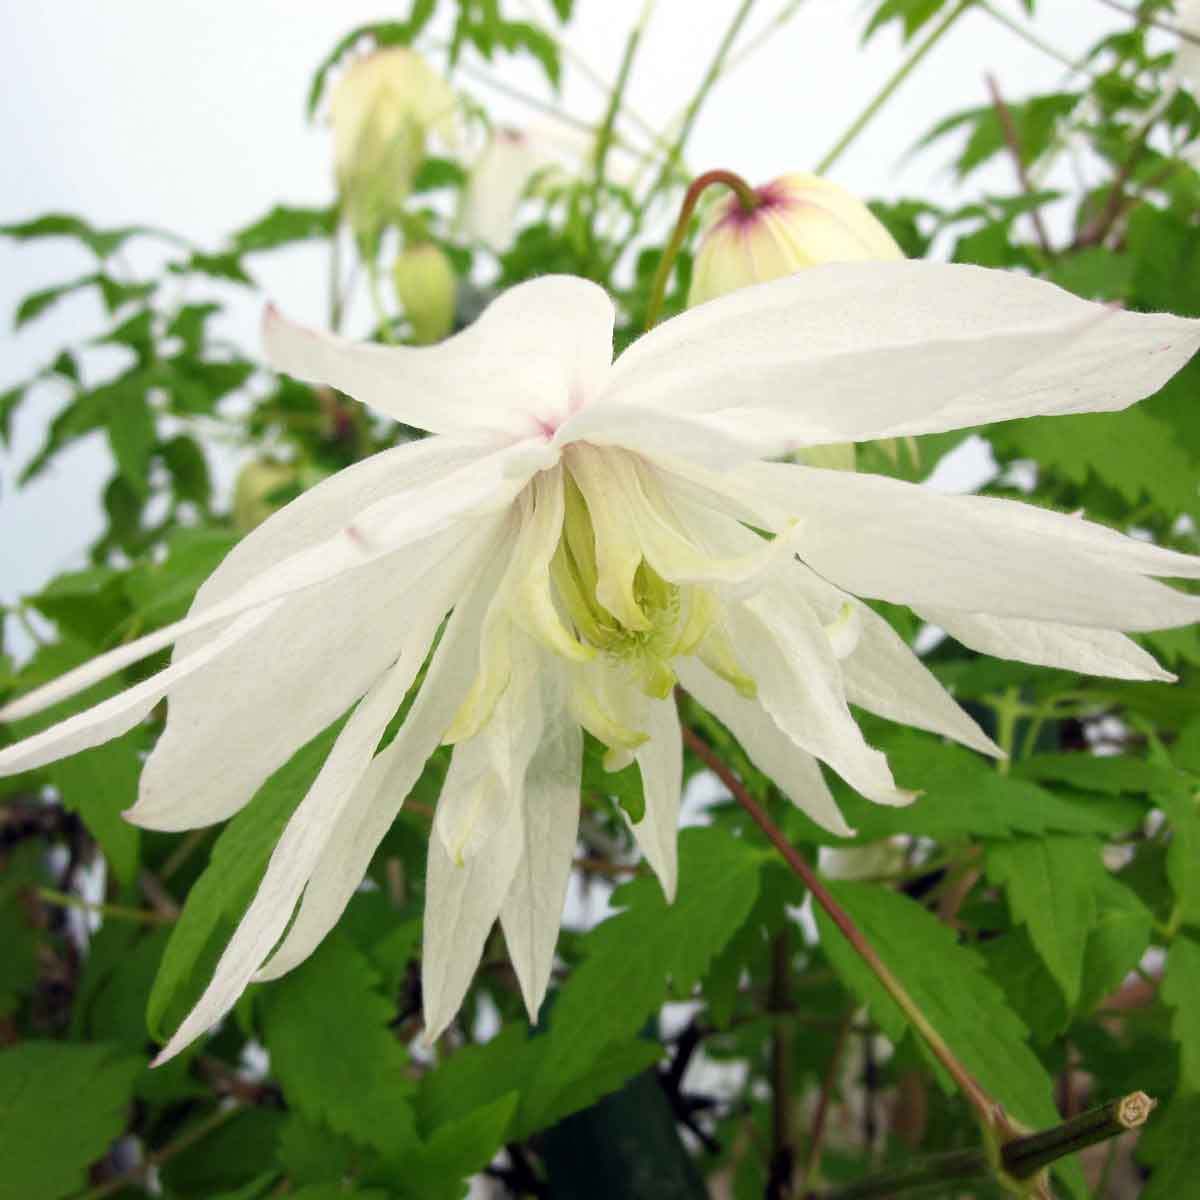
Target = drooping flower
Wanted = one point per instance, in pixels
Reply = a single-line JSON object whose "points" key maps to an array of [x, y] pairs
{"points": [[801, 221], [383, 109], [498, 180], [588, 529]]}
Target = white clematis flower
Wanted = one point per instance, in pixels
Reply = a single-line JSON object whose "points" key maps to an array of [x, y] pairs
{"points": [[586, 527]]}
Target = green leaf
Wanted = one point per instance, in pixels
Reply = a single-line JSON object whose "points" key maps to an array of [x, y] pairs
{"points": [[1170, 1147], [131, 434], [1096, 773], [188, 468], [283, 225], [8, 405], [219, 897], [456, 1150], [32, 306], [1132, 451], [963, 795], [1180, 989], [338, 1062], [102, 242], [89, 604], [313, 1153], [1117, 941], [631, 956], [61, 1105], [239, 1148], [100, 784], [624, 786], [950, 986], [161, 592], [1050, 884], [913, 14], [1183, 811]]}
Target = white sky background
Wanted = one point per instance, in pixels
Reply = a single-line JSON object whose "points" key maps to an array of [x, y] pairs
{"points": [[189, 115]]}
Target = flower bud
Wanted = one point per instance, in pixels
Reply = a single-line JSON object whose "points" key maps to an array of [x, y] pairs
{"points": [[256, 483], [801, 221], [497, 182], [383, 108], [426, 287]]}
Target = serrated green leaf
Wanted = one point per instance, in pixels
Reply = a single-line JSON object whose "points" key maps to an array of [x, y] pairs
{"points": [[161, 592], [312, 1153], [1113, 774], [188, 468], [102, 242], [338, 1062], [631, 956], [949, 984], [912, 14], [1050, 884], [1117, 941], [60, 1107], [1180, 989], [283, 225], [961, 794], [218, 898], [1186, 750], [1132, 451], [1170, 1147], [456, 1150]]}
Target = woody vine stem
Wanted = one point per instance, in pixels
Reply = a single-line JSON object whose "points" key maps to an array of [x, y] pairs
{"points": [[1008, 1151]]}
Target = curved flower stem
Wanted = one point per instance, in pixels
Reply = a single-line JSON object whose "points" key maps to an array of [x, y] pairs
{"points": [[1022, 1158], [749, 201], [885, 93], [989, 1113]]}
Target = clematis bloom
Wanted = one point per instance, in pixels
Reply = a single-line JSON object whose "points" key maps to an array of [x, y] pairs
{"points": [[583, 533]]}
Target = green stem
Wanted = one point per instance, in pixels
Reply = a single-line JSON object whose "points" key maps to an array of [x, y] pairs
{"points": [[989, 1112], [115, 912], [1020, 1159], [382, 316], [1029, 36], [897, 78], [604, 135], [689, 119], [749, 201]]}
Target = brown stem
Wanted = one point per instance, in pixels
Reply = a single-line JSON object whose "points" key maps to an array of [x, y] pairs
{"points": [[1009, 129], [783, 1154], [990, 1113], [816, 1135], [1022, 1158], [749, 201]]}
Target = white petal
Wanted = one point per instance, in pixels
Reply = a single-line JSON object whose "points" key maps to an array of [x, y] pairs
{"points": [[299, 849], [896, 541], [123, 711], [392, 774], [533, 357], [1072, 648], [660, 760], [461, 906], [532, 909], [785, 651], [791, 769], [487, 771], [851, 351], [497, 182], [385, 527]]}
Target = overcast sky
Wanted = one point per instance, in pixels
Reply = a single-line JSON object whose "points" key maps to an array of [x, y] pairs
{"points": [[189, 114]]}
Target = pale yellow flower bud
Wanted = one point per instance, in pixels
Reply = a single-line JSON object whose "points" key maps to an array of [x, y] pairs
{"points": [[801, 221], [383, 109], [426, 288]]}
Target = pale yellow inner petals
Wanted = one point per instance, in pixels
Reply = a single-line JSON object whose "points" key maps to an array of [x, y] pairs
{"points": [[604, 575]]}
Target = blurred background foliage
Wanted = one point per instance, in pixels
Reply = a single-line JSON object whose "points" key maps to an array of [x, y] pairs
{"points": [[1045, 913]]}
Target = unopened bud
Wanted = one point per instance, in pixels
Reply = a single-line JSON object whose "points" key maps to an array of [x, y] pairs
{"points": [[426, 286], [383, 109], [800, 221]]}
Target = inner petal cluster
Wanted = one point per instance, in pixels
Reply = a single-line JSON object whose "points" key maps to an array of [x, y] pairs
{"points": [[608, 577]]}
